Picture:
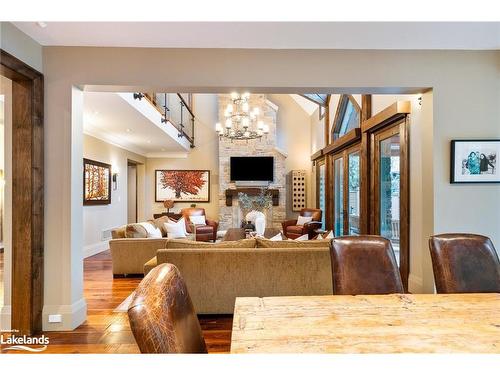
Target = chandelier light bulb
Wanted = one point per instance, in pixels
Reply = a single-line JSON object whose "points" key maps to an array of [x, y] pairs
{"points": [[218, 127], [245, 107], [229, 124], [234, 95], [260, 125], [266, 129], [245, 122], [246, 95], [229, 108], [256, 111]]}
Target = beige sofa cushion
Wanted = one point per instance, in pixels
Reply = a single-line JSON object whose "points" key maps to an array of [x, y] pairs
{"points": [[130, 254], [135, 231], [216, 277], [188, 244], [149, 265], [288, 244]]}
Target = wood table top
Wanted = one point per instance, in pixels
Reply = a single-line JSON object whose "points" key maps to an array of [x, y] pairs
{"points": [[235, 234], [397, 323]]}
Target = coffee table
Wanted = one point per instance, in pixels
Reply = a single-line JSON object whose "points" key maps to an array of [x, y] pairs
{"points": [[235, 234]]}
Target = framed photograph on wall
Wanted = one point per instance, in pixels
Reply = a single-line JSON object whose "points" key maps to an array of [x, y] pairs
{"points": [[96, 183], [475, 161], [182, 185]]}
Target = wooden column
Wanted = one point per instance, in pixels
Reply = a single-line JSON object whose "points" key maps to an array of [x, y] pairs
{"points": [[27, 193]]}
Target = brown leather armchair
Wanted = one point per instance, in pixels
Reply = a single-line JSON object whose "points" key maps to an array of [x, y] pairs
{"points": [[204, 233], [161, 314], [364, 265], [464, 263], [292, 230]]}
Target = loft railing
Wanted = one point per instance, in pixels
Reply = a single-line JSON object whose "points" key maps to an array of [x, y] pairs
{"points": [[176, 109]]}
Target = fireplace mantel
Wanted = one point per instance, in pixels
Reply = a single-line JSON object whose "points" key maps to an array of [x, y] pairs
{"points": [[233, 193]]}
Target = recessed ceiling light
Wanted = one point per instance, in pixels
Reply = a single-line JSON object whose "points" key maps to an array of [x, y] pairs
{"points": [[43, 25], [128, 130]]}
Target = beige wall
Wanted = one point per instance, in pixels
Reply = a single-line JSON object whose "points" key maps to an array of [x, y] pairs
{"points": [[203, 156], [294, 138], [466, 80], [97, 219]]}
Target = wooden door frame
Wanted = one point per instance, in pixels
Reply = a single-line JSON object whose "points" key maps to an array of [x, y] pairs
{"points": [[319, 163], [344, 154], [27, 193], [400, 127]]}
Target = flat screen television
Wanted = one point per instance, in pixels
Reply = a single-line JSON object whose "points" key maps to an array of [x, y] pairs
{"points": [[252, 168]]}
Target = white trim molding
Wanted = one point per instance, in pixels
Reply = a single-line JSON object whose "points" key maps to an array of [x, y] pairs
{"points": [[5, 318], [72, 316], [96, 248]]}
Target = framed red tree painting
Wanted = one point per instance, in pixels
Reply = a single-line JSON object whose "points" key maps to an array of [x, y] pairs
{"points": [[182, 185]]}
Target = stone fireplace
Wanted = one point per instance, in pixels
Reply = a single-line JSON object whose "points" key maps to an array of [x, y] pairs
{"points": [[230, 214]]}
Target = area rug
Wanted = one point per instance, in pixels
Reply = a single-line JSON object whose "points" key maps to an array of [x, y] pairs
{"points": [[123, 307]]}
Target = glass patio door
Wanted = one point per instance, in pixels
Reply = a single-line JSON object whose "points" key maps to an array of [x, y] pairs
{"points": [[338, 195], [390, 195], [321, 189], [346, 192]]}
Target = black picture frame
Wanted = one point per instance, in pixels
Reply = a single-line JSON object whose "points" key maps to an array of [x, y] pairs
{"points": [[458, 150], [96, 202]]}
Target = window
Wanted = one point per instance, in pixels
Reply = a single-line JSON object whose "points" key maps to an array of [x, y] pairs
{"points": [[347, 117]]}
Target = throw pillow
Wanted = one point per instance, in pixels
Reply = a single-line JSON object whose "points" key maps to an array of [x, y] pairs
{"points": [[151, 230], [135, 231], [198, 220], [158, 223], [176, 229], [304, 237], [303, 220], [329, 236], [277, 237]]}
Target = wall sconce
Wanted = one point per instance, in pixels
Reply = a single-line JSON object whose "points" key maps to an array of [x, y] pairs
{"points": [[114, 179]]}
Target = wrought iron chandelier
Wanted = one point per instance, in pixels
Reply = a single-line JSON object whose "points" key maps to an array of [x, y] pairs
{"points": [[241, 123]]}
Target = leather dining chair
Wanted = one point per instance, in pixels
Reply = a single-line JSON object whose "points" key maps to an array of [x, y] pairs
{"points": [[162, 316], [464, 263], [364, 265]]}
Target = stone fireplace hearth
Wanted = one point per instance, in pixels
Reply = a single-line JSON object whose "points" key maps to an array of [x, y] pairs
{"points": [[230, 215]]}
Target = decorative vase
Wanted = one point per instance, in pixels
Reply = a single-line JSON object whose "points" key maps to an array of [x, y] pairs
{"points": [[249, 227], [259, 219]]}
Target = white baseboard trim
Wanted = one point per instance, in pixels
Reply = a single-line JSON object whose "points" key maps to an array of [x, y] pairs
{"points": [[415, 284], [72, 316], [96, 248], [5, 318]]}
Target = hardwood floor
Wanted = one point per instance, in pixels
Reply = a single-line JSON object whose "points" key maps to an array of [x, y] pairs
{"points": [[106, 331]]}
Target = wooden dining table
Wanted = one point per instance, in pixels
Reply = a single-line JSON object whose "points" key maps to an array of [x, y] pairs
{"points": [[395, 323]]}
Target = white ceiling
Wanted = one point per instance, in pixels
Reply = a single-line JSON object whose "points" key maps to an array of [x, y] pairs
{"points": [[109, 117], [308, 106], [272, 35]]}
